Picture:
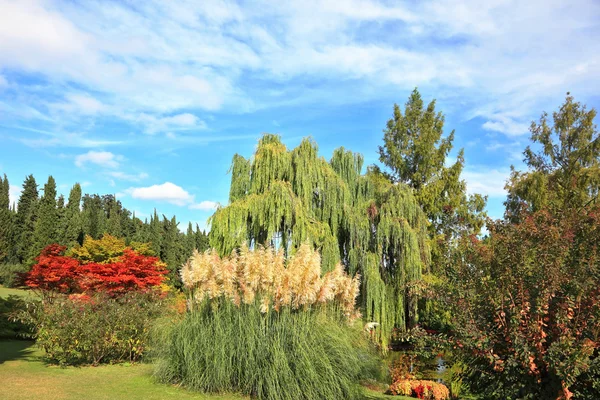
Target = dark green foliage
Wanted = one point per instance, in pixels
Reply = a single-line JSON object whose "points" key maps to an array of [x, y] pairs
{"points": [[7, 219], [11, 274], [10, 328], [46, 224], [287, 355], [25, 221], [93, 216], [172, 249], [71, 228], [93, 329]]}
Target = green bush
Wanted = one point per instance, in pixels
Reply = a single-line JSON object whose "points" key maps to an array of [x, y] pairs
{"points": [[94, 329], [220, 347], [10, 274], [10, 328]]}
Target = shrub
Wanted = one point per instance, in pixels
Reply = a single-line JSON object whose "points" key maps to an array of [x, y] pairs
{"points": [[405, 384], [421, 389], [11, 275], [11, 328], [259, 327], [82, 329], [526, 305]]}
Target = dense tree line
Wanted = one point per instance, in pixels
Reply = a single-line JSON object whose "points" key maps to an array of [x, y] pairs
{"points": [[38, 220]]}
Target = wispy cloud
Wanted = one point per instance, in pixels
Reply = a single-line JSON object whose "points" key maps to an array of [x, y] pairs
{"points": [[128, 177], [101, 158], [485, 181], [504, 59], [205, 205]]}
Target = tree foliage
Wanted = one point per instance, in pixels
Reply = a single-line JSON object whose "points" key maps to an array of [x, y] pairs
{"points": [[56, 272], [526, 299], [527, 304], [565, 169], [285, 198], [415, 152]]}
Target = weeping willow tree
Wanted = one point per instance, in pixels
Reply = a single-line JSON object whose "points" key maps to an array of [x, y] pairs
{"points": [[284, 198]]}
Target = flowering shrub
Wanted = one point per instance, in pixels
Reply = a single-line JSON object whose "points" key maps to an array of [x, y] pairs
{"points": [[263, 275], [405, 384], [59, 273], [420, 389], [93, 329], [94, 311]]}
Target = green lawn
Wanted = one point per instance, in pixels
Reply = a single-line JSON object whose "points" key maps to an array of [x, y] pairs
{"points": [[24, 376], [5, 292]]}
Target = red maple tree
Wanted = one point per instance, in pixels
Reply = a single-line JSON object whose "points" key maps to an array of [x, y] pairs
{"points": [[59, 273]]}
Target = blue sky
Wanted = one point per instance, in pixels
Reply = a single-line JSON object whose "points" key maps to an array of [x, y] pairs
{"points": [[150, 100]]}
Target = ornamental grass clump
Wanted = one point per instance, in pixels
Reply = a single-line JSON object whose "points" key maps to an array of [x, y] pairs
{"points": [[267, 328]]}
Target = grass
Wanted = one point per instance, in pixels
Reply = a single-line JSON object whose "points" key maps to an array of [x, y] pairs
{"points": [[24, 293], [24, 376]]}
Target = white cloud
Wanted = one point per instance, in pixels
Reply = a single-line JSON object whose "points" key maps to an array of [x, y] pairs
{"points": [[167, 192], [79, 103], [3, 81], [178, 122], [160, 63], [485, 181], [101, 158], [205, 205], [14, 192], [128, 177], [506, 125]]}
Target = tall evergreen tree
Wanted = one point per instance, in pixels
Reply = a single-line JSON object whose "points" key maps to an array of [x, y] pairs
{"points": [[72, 231], [6, 221], [415, 151], [190, 240], [46, 225], [201, 238], [113, 221], [155, 233], [172, 248], [94, 218], [26, 218]]}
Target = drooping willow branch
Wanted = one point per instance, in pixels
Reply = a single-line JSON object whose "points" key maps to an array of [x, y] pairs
{"points": [[284, 198]]}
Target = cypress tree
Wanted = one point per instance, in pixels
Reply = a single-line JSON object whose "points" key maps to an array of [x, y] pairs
{"points": [[172, 248], [72, 231], [93, 216], [155, 233], [6, 220], [46, 225], [190, 240], [201, 240], [26, 217], [375, 228], [113, 222]]}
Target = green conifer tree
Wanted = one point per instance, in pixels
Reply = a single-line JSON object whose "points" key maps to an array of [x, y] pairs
{"points": [[6, 221], [72, 230], [26, 218], [46, 224]]}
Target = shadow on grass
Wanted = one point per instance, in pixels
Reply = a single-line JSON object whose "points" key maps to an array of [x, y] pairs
{"points": [[17, 350]]}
